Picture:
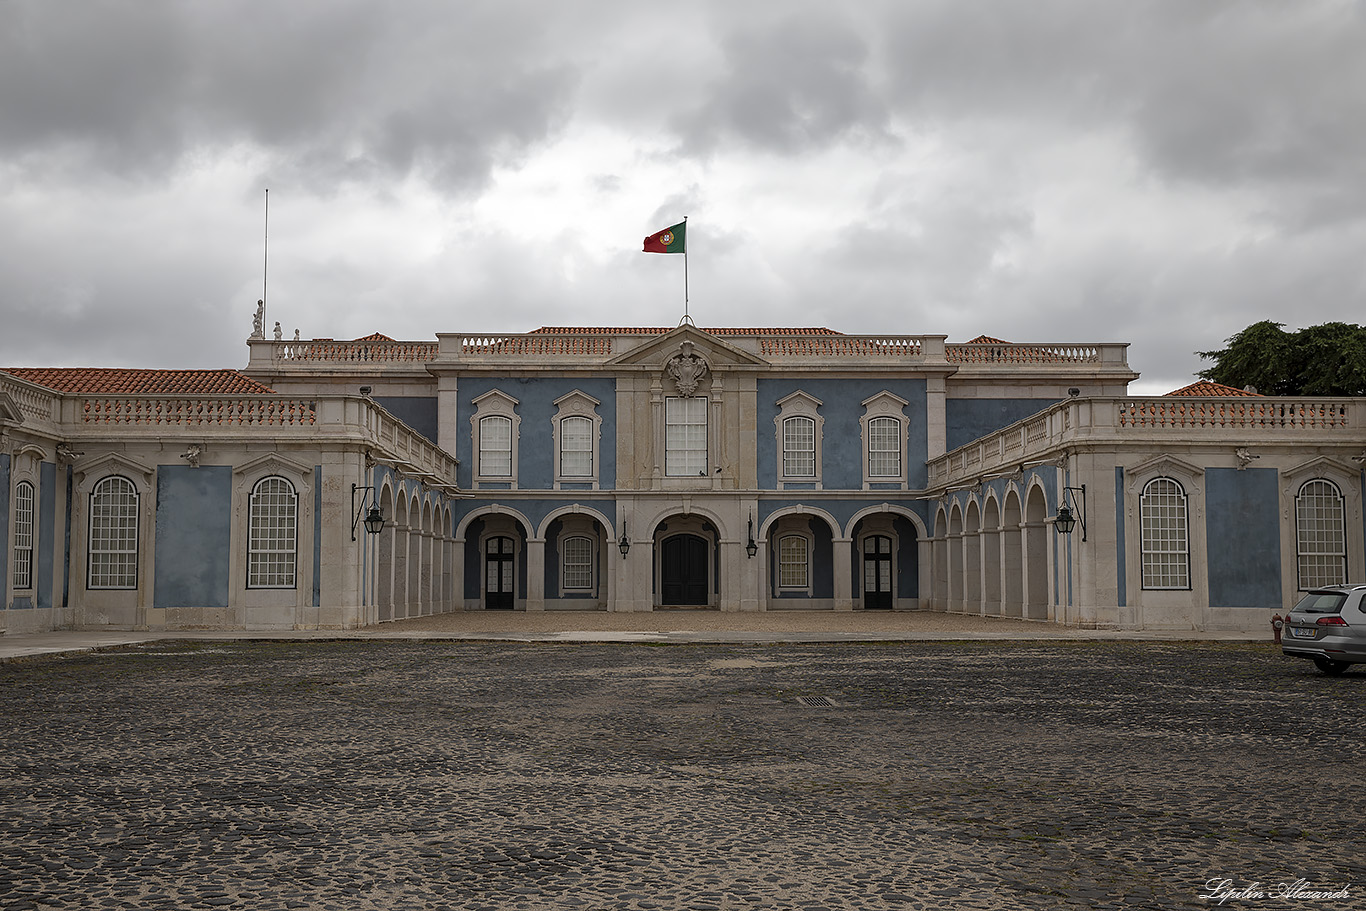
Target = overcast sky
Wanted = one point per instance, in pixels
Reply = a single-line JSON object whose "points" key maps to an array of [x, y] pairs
{"points": [[1161, 173]]}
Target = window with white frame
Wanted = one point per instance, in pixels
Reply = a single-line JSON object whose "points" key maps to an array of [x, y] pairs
{"points": [[685, 436], [1164, 535], [884, 448], [799, 447], [112, 551], [884, 427], [794, 562], [495, 427], [1320, 535], [576, 564], [495, 447], [576, 447], [23, 535], [272, 534]]}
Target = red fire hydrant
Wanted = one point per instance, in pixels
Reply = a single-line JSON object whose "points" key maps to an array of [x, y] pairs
{"points": [[1276, 624]]}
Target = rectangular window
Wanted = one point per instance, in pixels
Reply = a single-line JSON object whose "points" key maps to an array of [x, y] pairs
{"points": [[495, 447], [685, 436], [799, 448], [884, 448], [578, 564], [23, 535], [793, 566], [576, 448]]}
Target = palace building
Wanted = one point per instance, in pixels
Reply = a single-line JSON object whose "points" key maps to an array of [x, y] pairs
{"points": [[334, 484]]}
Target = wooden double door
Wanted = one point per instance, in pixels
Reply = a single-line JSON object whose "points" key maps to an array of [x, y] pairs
{"points": [[684, 571]]}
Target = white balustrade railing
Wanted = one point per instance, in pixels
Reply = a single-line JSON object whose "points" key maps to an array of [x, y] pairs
{"points": [[33, 401]]}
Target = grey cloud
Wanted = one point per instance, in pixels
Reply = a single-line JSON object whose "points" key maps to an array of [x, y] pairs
{"points": [[788, 87]]}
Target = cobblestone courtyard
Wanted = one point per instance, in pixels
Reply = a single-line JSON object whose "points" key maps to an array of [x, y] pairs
{"points": [[484, 775]]}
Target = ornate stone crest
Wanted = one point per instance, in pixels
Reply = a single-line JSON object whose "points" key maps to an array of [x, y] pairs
{"points": [[687, 370]]}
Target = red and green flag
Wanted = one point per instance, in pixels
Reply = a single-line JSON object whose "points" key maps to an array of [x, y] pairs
{"points": [[670, 240]]}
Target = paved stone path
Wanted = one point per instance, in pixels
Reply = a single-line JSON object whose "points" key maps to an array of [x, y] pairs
{"points": [[483, 775]]}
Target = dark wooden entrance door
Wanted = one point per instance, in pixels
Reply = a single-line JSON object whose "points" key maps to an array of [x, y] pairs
{"points": [[683, 570], [498, 574], [877, 573]]}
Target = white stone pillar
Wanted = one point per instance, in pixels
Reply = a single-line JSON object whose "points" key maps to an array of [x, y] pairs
{"points": [[535, 574], [843, 571]]}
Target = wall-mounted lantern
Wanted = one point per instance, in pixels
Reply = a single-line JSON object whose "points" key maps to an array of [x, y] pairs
{"points": [[374, 521], [1069, 516], [751, 548], [625, 543]]}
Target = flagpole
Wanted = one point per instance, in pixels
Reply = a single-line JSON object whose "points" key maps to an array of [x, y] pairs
{"points": [[265, 262], [685, 265]]}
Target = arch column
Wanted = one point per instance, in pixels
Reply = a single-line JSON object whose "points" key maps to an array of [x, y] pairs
{"points": [[1012, 571], [1035, 575], [842, 550], [535, 574]]}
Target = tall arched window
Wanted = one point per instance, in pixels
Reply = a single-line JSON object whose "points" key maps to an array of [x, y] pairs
{"points": [[1320, 535], [23, 535], [112, 552], [1164, 535], [799, 447], [495, 447], [273, 534]]}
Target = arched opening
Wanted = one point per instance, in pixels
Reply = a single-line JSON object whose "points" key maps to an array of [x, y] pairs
{"points": [[991, 558], [1036, 556], [972, 560], [1012, 558]]}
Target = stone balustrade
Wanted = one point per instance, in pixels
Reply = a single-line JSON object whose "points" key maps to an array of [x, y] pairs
{"points": [[32, 400], [1153, 422]]}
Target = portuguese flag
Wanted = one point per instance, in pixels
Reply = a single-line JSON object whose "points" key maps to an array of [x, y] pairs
{"points": [[670, 240]]}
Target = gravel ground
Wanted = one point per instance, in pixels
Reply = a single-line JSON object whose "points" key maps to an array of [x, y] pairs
{"points": [[485, 775]]}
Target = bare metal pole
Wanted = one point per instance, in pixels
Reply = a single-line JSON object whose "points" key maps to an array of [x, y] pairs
{"points": [[265, 262], [685, 265]]}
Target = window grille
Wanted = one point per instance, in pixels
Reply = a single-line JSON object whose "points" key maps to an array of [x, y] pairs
{"points": [[23, 535], [1164, 535], [1320, 535], [884, 448], [578, 564], [112, 554], [793, 562], [495, 447], [799, 448], [685, 436], [576, 447], [272, 532]]}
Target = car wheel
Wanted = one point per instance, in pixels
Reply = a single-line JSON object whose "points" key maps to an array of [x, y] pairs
{"points": [[1330, 667]]}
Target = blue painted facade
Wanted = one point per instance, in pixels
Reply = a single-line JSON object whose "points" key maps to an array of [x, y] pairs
{"points": [[1121, 558], [193, 536], [536, 408], [966, 420], [4, 526], [418, 412], [45, 551], [1242, 533]]}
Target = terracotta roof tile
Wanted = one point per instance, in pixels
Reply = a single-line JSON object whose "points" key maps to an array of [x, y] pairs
{"points": [[125, 381], [986, 340], [1210, 389], [372, 337]]}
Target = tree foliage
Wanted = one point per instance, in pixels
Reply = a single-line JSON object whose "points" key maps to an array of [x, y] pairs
{"points": [[1329, 359]]}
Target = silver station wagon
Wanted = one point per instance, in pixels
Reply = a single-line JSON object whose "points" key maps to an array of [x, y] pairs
{"points": [[1329, 627]]}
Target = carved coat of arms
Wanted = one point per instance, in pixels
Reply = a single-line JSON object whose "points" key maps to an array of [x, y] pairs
{"points": [[687, 370]]}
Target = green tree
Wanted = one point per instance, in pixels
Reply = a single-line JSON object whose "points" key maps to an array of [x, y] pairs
{"points": [[1329, 359]]}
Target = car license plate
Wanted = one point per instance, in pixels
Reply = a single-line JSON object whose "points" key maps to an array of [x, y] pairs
{"points": [[1303, 633]]}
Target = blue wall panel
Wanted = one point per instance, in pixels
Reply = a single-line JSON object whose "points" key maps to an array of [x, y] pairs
{"points": [[1121, 579], [44, 559], [418, 412], [193, 536], [1242, 531], [317, 535], [971, 419], [5, 543], [536, 407], [842, 438]]}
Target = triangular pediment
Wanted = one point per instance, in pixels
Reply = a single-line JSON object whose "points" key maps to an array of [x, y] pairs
{"points": [[112, 463], [1319, 467], [274, 463], [716, 353], [1163, 465], [9, 409]]}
